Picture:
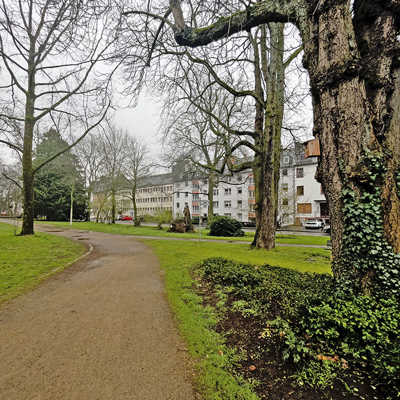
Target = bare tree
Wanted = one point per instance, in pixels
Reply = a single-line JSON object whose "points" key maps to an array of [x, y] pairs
{"points": [[91, 158], [351, 51], [114, 145], [136, 167], [50, 52], [193, 134], [252, 72]]}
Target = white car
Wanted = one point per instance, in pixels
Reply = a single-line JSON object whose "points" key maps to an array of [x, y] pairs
{"points": [[314, 224]]}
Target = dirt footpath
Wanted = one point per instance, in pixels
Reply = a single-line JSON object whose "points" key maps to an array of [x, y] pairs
{"points": [[101, 330]]}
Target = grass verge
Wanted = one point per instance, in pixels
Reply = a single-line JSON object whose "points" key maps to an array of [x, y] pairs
{"points": [[27, 260], [153, 231], [216, 361]]}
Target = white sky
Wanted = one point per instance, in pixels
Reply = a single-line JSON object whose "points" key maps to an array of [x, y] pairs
{"points": [[143, 122]]}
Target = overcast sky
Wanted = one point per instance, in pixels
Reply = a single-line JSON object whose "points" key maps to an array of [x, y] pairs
{"points": [[143, 122]]}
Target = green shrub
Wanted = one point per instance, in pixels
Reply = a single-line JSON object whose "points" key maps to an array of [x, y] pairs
{"points": [[225, 226], [327, 339]]}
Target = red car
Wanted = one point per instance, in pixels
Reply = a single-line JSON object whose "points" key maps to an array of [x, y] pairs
{"points": [[125, 218]]}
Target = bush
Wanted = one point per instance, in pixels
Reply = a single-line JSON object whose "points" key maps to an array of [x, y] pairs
{"points": [[225, 226], [329, 341]]}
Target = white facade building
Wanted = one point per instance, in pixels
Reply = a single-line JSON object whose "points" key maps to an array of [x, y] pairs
{"points": [[300, 195]]}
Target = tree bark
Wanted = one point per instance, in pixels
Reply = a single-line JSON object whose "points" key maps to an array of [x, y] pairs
{"points": [[210, 196], [268, 125], [27, 169]]}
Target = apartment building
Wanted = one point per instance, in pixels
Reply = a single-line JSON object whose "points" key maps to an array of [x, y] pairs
{"points": [[155, 194], [230, 196], [300, 195]]}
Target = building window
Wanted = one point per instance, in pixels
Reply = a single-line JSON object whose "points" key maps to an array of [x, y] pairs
{"points": [[239, 190], [215, 191], [304, 208], [239, 203], [215, 204], [186, 183], [196, 208], [228, 191], [251, 193], [285, 202], [177, 195], [299, 172], [227, 214], [300, 190], [285, 172], [286, 160], [196, 196], [177, 205], [239, 216], [285, 187], [186, 194], [227, 204]]}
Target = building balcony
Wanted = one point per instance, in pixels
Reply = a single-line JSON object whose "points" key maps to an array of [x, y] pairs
{"points": [[252, 214], [252, 201], [251, 188]]}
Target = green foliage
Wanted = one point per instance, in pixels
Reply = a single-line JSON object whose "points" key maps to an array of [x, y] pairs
{"points": [[359, 334], [328, 340], [163, 217], [368, 263], [225, 226], [55, 181], [269, 290]]}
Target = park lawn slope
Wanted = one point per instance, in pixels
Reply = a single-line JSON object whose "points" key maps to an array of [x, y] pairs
{"points": [[197, 322], [120, 229], [27, 260]]}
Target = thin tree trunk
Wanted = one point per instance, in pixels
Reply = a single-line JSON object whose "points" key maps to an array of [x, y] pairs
{"points": [[135, 212], [71, 210], [210, 196], [113, 206]]}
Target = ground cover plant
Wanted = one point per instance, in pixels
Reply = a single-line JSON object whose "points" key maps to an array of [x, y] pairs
{"points": [[122, 229], [219, 378], [26, 260], [299, 339]]}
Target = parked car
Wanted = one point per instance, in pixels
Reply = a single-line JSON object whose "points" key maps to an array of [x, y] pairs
{"points": [[125, 218], [326, 228], [314, 224]]}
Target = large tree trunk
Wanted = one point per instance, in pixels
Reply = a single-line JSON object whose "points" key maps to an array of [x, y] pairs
{"points": [[27, 172], [356, 118]]}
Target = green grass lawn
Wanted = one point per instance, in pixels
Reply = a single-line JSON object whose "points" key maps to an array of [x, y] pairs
{"points": [[196, 322], [153, 231], [27, 260]]}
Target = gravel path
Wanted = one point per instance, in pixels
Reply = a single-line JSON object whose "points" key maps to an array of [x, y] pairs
{"points": [[100, 330]]}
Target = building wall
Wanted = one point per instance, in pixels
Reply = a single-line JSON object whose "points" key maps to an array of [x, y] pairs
{"points": [[300, 196]]}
